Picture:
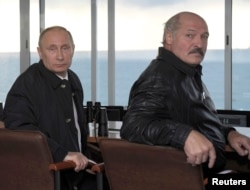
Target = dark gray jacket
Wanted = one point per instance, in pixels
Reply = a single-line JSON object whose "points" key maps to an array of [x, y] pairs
{"points": [[169, 100]]}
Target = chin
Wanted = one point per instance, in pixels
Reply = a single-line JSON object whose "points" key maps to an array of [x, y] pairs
{"points": [[196, 61], [60, 72], [193, 64]]}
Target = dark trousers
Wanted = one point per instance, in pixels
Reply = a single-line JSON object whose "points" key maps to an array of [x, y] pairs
{"points": [[82, 180]]}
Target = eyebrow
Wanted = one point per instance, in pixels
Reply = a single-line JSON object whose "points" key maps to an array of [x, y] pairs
{"points": [[192, 30], [59, 45]]}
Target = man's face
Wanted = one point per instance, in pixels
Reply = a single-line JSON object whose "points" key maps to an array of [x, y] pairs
{"points": [[56, 50], [189, 42]]}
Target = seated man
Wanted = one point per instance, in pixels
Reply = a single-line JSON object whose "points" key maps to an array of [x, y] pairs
{"points": [[169, 105], [48, 97]]}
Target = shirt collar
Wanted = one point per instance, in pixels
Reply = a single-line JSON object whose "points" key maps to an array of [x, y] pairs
{"points": [[66, 77]]}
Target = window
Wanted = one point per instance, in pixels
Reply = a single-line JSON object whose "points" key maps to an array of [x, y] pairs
{"points": [[240, 55], [75, 16], [138, 34], [35, 30], [139, 31], [9, 46]]}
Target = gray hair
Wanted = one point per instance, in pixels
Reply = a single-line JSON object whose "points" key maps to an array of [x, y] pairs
{"points": [[173, 23], [171, 26], [53, 28]]}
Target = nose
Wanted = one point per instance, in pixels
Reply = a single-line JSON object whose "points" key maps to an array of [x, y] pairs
{"points": [[59, 54], [200, 42]]}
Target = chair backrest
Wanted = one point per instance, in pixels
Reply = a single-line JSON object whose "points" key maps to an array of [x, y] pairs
{"points": [[24, 161], [144, 167], [2, 125]]}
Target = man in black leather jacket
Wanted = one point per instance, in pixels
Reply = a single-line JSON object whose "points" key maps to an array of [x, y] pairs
{"points": [[169, 105]]}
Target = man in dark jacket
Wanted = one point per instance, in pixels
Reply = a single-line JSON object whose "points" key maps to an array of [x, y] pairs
{"points": [[170, 106], [48, 97]]}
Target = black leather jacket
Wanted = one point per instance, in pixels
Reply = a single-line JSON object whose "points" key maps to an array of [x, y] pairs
{"points": [[169, 100]]}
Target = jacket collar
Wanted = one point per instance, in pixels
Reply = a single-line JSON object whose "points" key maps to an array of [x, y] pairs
{"points": [[53, 79], [169, 57]]}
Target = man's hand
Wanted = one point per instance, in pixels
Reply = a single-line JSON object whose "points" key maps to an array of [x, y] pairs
{"points": [[199, 149], [78, 158], [240, 143]]}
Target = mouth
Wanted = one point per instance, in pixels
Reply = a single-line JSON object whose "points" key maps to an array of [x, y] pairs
{"points": [[197, 55], [61, 65], [197, 51]]}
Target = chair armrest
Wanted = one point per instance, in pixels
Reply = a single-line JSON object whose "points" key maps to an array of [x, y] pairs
{"points": [[94, 167], [98, 168], [62, 165], [235, 162]]}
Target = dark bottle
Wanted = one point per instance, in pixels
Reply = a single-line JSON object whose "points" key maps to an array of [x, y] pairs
{"points": [[103, 123], [97, 111], [89, 114]]}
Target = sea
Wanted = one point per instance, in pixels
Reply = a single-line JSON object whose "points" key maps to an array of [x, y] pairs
{"points": [[130, 64]]}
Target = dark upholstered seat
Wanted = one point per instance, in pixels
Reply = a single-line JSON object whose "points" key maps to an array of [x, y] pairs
{"points": [[142, 167], [26, 162], [1, 124]]}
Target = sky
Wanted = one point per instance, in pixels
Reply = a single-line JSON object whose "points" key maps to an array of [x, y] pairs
{"points": [[139, 23]]}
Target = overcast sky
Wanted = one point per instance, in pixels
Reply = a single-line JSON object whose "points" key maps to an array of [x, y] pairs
{"points": [[139, 23]]}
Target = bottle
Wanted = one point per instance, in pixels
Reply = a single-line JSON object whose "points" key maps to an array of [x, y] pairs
{"points": [[89, 114], [103, 123], [96, 112]]}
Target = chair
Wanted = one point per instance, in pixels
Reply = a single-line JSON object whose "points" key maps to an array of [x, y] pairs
{"points": [[1, 124], [26, 162], [235, 162], [142, 167]]}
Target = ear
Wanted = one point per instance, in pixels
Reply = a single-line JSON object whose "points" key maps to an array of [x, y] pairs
{"points": [[39, 52], [168, 38]]}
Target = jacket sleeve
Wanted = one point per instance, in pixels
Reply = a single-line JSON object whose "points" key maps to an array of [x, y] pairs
{"points": [[148, 119]]}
